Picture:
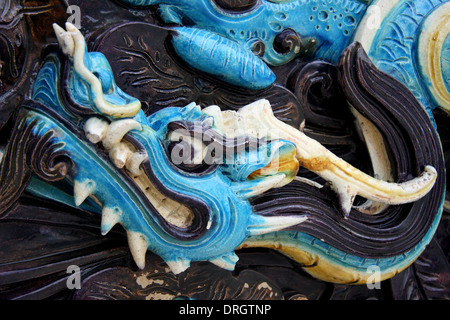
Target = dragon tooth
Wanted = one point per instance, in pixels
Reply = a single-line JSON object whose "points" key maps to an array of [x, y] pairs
{"points": [[117, 130], [96, 129], [119, 155], [260, 225], [110, 217], [138, 246], [346, 198], [134, 162], [82, 190], [227, 262], [178, 265]]}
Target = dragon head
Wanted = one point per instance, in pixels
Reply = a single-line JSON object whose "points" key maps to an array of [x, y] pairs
{"points": [[177, 185]]}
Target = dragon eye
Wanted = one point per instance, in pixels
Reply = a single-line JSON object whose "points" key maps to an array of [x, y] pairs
{"points": [[236, 5]]}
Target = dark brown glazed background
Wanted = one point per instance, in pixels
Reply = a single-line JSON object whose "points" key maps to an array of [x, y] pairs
{"points": [[38, 238]]}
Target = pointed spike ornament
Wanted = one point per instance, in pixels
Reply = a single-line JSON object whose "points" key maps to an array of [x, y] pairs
{"points": [[82, 190], [346, 198], [227, 262], [138, 246], [178, 265], [260, 225], [110, 217]]}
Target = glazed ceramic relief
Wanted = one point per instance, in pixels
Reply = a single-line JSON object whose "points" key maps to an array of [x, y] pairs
{"points": [[235, 144]]}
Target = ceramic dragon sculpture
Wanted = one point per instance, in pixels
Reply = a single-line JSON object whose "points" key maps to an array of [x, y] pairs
{"points": [[90, 145], [239, 41]]}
